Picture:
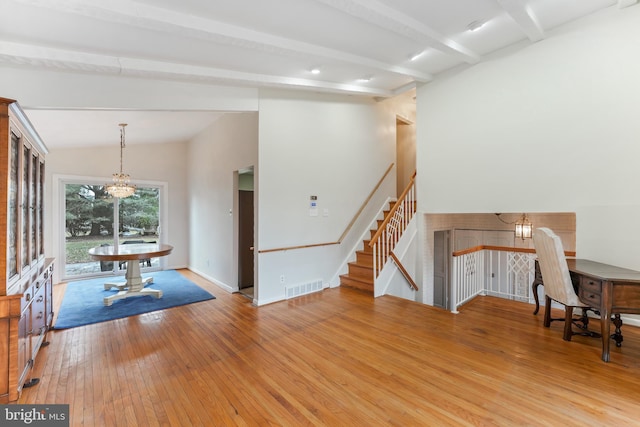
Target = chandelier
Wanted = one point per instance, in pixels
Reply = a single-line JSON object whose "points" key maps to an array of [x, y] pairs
{"points": [[120, 187]]}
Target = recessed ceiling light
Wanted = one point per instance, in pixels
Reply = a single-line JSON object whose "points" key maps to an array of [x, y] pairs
{"points": [[364, 79], [416, 56], [315, 71], [475, 25]]}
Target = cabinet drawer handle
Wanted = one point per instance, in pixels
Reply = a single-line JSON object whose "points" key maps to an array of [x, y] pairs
{"points": [[40, 315], [38, 284], [592, 296], [27, 297], [46, 275], [40, 298]]}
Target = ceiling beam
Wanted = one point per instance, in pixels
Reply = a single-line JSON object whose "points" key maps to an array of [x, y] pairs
{"points": [[154, 18], [524, 17], [626, 3], [21, 54], [376, 13]]}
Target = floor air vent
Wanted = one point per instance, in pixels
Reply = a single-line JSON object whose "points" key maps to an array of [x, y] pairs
{"points": [[303, 289]]}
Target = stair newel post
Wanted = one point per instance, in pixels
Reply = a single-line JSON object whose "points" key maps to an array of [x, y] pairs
{"points": [[453, 304]]}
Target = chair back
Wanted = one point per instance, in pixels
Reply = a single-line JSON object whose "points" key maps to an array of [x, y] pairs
{"points": [[554, 269]]}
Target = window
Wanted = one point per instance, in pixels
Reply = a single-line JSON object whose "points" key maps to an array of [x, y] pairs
{"points": [[93, 218]]}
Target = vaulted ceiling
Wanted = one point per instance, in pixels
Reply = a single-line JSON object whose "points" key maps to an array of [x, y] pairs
{"points": [[373, 48]]}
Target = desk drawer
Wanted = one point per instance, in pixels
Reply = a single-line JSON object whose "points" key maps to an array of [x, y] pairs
{"points": [[590, 291], [590, 298], [591, 285]]}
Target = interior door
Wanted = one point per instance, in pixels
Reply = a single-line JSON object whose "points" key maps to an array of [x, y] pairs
{"points": [[405, 153], [441, 269], [245, 239]]}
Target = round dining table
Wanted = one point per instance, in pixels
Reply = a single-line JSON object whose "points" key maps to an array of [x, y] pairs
{"points": [[134, 284]]}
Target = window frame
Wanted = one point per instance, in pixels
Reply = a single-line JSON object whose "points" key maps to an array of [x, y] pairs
{"points": [[59, 221]]}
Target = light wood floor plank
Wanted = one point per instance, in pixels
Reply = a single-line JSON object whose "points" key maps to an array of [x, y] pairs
{"points": [[337, 357]]}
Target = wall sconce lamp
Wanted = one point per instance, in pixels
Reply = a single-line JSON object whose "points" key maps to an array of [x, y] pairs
{"points": [[524, 227]]}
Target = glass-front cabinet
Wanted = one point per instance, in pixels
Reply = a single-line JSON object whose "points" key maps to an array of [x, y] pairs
{"points": [[25, 214], [13, 206], [26, 291]]}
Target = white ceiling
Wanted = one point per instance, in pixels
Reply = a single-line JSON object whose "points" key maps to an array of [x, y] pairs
{"points": [[82, 128], [261, 43]]}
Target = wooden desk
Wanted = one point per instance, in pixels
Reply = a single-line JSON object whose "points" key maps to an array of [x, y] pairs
{"points": [[609, 289], [134, 283]]}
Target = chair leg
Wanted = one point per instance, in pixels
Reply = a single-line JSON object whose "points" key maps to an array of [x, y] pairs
{"points": [[584, 319], [547, 311], [568, 321], [617, 335]]}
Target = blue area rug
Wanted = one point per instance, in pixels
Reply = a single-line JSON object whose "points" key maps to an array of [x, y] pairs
{"points": [[82, 303]]}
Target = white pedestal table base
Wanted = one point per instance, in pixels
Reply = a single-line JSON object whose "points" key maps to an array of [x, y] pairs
{"points": [[133, 286]]}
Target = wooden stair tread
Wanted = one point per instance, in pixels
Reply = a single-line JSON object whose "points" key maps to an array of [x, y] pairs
{"points": [[360, 271], [362, 284], [364, 258]]}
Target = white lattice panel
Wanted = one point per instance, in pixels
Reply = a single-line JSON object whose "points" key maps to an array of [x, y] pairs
{"points": [[470, 264], [520, 267]]}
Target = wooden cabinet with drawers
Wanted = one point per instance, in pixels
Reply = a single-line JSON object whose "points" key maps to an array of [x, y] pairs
{"points": [[32, 314], [26, 291]]}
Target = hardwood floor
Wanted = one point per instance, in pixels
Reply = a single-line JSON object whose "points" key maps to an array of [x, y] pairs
{"points": [[336, 358]]}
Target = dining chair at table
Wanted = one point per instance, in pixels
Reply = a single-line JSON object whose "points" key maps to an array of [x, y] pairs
{"points": [[557, 283], [146, 261], [106, 265]]}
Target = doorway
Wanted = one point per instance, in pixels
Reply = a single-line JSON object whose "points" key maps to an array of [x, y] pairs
{"points": [[246, 232], [441, 281], [405, 152]]}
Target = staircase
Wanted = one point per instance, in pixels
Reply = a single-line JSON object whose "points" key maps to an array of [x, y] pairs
{"points": [[370, 261], [360, 275]]}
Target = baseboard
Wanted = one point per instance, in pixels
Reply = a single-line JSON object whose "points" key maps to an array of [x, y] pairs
{"points": [[632, 321], [217, 282]]}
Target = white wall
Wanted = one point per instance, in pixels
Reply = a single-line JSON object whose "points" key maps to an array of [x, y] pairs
{"points": [[335, 148], [157, 162], [228, 145], [551, 128]]}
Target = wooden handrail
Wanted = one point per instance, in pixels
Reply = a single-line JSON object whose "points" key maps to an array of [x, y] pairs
{"points": [[349, 226], [395, 207], [355, 217], [503, 249], [298, 247], [404, 272]]}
